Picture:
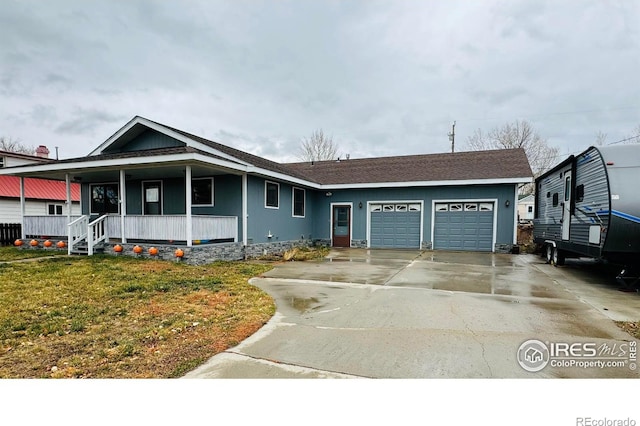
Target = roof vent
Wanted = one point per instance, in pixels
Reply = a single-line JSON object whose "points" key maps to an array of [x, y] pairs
{"points": [[42, 152]]}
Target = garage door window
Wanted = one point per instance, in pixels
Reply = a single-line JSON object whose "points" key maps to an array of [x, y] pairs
{"points": [[486, 207], [455, 207], [401, 207], [376, 207], [470, 207], [442, 207], [414, 207], [388, 208]]}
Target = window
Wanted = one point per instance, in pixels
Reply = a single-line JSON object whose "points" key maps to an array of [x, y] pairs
{"points": [[486, 207], [580, 193], [555, 199], [567, 188], [202, 192], [388, 208], [470, 207], [104, 198], [415, 207], [401, 207], [455, 208], [376, 207], [529, 209], [1, 162], [298, 202], [271, 195], [55, 209], [442, 207]]}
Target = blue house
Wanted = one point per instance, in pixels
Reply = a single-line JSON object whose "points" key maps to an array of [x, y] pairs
{"points": [[151, 184]]}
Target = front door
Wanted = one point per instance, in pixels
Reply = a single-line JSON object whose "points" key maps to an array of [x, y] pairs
{"points": [[152, 193], [341, 226], [566, 206]]}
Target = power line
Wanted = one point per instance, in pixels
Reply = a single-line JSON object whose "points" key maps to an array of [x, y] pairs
{"points": [[624, 140]]}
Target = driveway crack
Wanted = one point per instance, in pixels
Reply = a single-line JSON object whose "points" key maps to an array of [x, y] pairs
{"points": [[474, 336], [403, 268]]}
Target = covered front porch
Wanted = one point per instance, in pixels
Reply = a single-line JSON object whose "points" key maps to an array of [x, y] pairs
{"points": [[188, 204]]}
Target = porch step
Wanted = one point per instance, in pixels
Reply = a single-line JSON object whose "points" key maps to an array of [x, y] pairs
{"points": [[83, 249]]}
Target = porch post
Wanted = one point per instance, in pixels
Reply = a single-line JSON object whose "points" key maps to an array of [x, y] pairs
{"points": [[123, 206], [22, 209], [244, 210], [188, 205], [67, 180]]}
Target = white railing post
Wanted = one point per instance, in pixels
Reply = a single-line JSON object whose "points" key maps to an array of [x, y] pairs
{"points": [[188, 206]]}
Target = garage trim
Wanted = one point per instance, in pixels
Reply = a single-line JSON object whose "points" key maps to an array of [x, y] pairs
{"points": [[465, 200], [421, 202]]}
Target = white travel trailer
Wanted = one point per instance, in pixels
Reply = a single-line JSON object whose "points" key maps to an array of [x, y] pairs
{"points": [[589, 205]]}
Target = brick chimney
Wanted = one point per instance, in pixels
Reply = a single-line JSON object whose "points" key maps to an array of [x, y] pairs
{"points": [[42, 152]]}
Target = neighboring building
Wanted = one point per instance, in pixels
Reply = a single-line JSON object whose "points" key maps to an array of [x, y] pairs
{"points": [[155, 184], [42, 197], [526, 206]]}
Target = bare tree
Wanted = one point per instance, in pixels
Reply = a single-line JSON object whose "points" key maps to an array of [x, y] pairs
{"points": [[318, 147], [519, 134], [14, 145], [601, 138]]}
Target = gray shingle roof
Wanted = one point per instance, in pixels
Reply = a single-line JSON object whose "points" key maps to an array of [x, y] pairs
{"points": [[472, 165]]}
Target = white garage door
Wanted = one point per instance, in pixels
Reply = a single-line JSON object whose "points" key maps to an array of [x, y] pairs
{"points": [[466, 226], [395, 225]]}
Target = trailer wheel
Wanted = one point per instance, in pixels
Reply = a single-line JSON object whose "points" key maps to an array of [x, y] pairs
{"points": [[549, 253], [558, 257]]}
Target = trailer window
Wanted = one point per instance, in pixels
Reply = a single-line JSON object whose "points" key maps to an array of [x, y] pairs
{"points": [[580, 193], [555, 199], [567, 188]]}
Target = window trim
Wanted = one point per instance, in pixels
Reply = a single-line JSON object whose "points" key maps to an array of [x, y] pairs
{"points": [[266, 183], [213, 192], [293, 201], [91, 185], [55, 207]]}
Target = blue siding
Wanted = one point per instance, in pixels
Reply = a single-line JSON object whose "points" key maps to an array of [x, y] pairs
{"points": [[505, 224], [280, 221], [149, 139]]}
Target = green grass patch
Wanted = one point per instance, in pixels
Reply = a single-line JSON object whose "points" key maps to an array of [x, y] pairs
{"points": [[10, 254], [116, 317]]}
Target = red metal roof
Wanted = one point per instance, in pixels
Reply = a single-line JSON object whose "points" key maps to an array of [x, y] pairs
{"points": [[38, 189]]}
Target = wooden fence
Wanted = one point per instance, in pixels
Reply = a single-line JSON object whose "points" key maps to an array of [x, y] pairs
{"points": [[9, 232]]}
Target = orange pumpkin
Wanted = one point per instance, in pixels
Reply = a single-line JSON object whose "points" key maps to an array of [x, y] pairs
{"points": [[17, 243], [117, 248], [137, 249], [47, 243], [34, 243], [153, 251], [179, 253], [61, 244]]}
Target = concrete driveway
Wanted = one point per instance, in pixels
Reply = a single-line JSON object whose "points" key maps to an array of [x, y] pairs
{"points": [[407, 314]]}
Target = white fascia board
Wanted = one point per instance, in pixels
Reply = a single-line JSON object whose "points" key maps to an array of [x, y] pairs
{"points": [[428, 183], [118, 163], [161, 129], [282, 177]]}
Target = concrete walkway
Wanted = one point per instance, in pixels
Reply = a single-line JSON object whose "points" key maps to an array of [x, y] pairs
{"points": [[403, 314]]}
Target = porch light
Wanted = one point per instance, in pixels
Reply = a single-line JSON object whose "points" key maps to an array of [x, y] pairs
{"points": [[507, 203], [360, 204], [328, 194]]}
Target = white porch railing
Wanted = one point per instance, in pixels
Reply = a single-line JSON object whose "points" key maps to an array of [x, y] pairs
{"points": [[78, 231], [173, 227], [96, 233], [47, 225]]}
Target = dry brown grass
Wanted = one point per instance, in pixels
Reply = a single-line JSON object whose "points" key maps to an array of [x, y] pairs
{"points": [[120, 317]]}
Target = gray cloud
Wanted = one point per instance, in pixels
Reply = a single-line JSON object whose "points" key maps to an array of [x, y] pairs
{"points": [[385, 78]]}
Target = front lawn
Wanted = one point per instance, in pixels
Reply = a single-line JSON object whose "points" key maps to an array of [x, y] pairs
{"points": [[8, 254], [118, 317]]}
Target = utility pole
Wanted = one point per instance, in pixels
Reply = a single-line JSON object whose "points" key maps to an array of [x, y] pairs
{"points": [[452, 136]]}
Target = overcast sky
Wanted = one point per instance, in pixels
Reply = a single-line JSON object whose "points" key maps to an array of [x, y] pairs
{"points": [[382, 77]]}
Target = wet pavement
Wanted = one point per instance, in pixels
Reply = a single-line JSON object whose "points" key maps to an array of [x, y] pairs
{"points": [[407, 314]]}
